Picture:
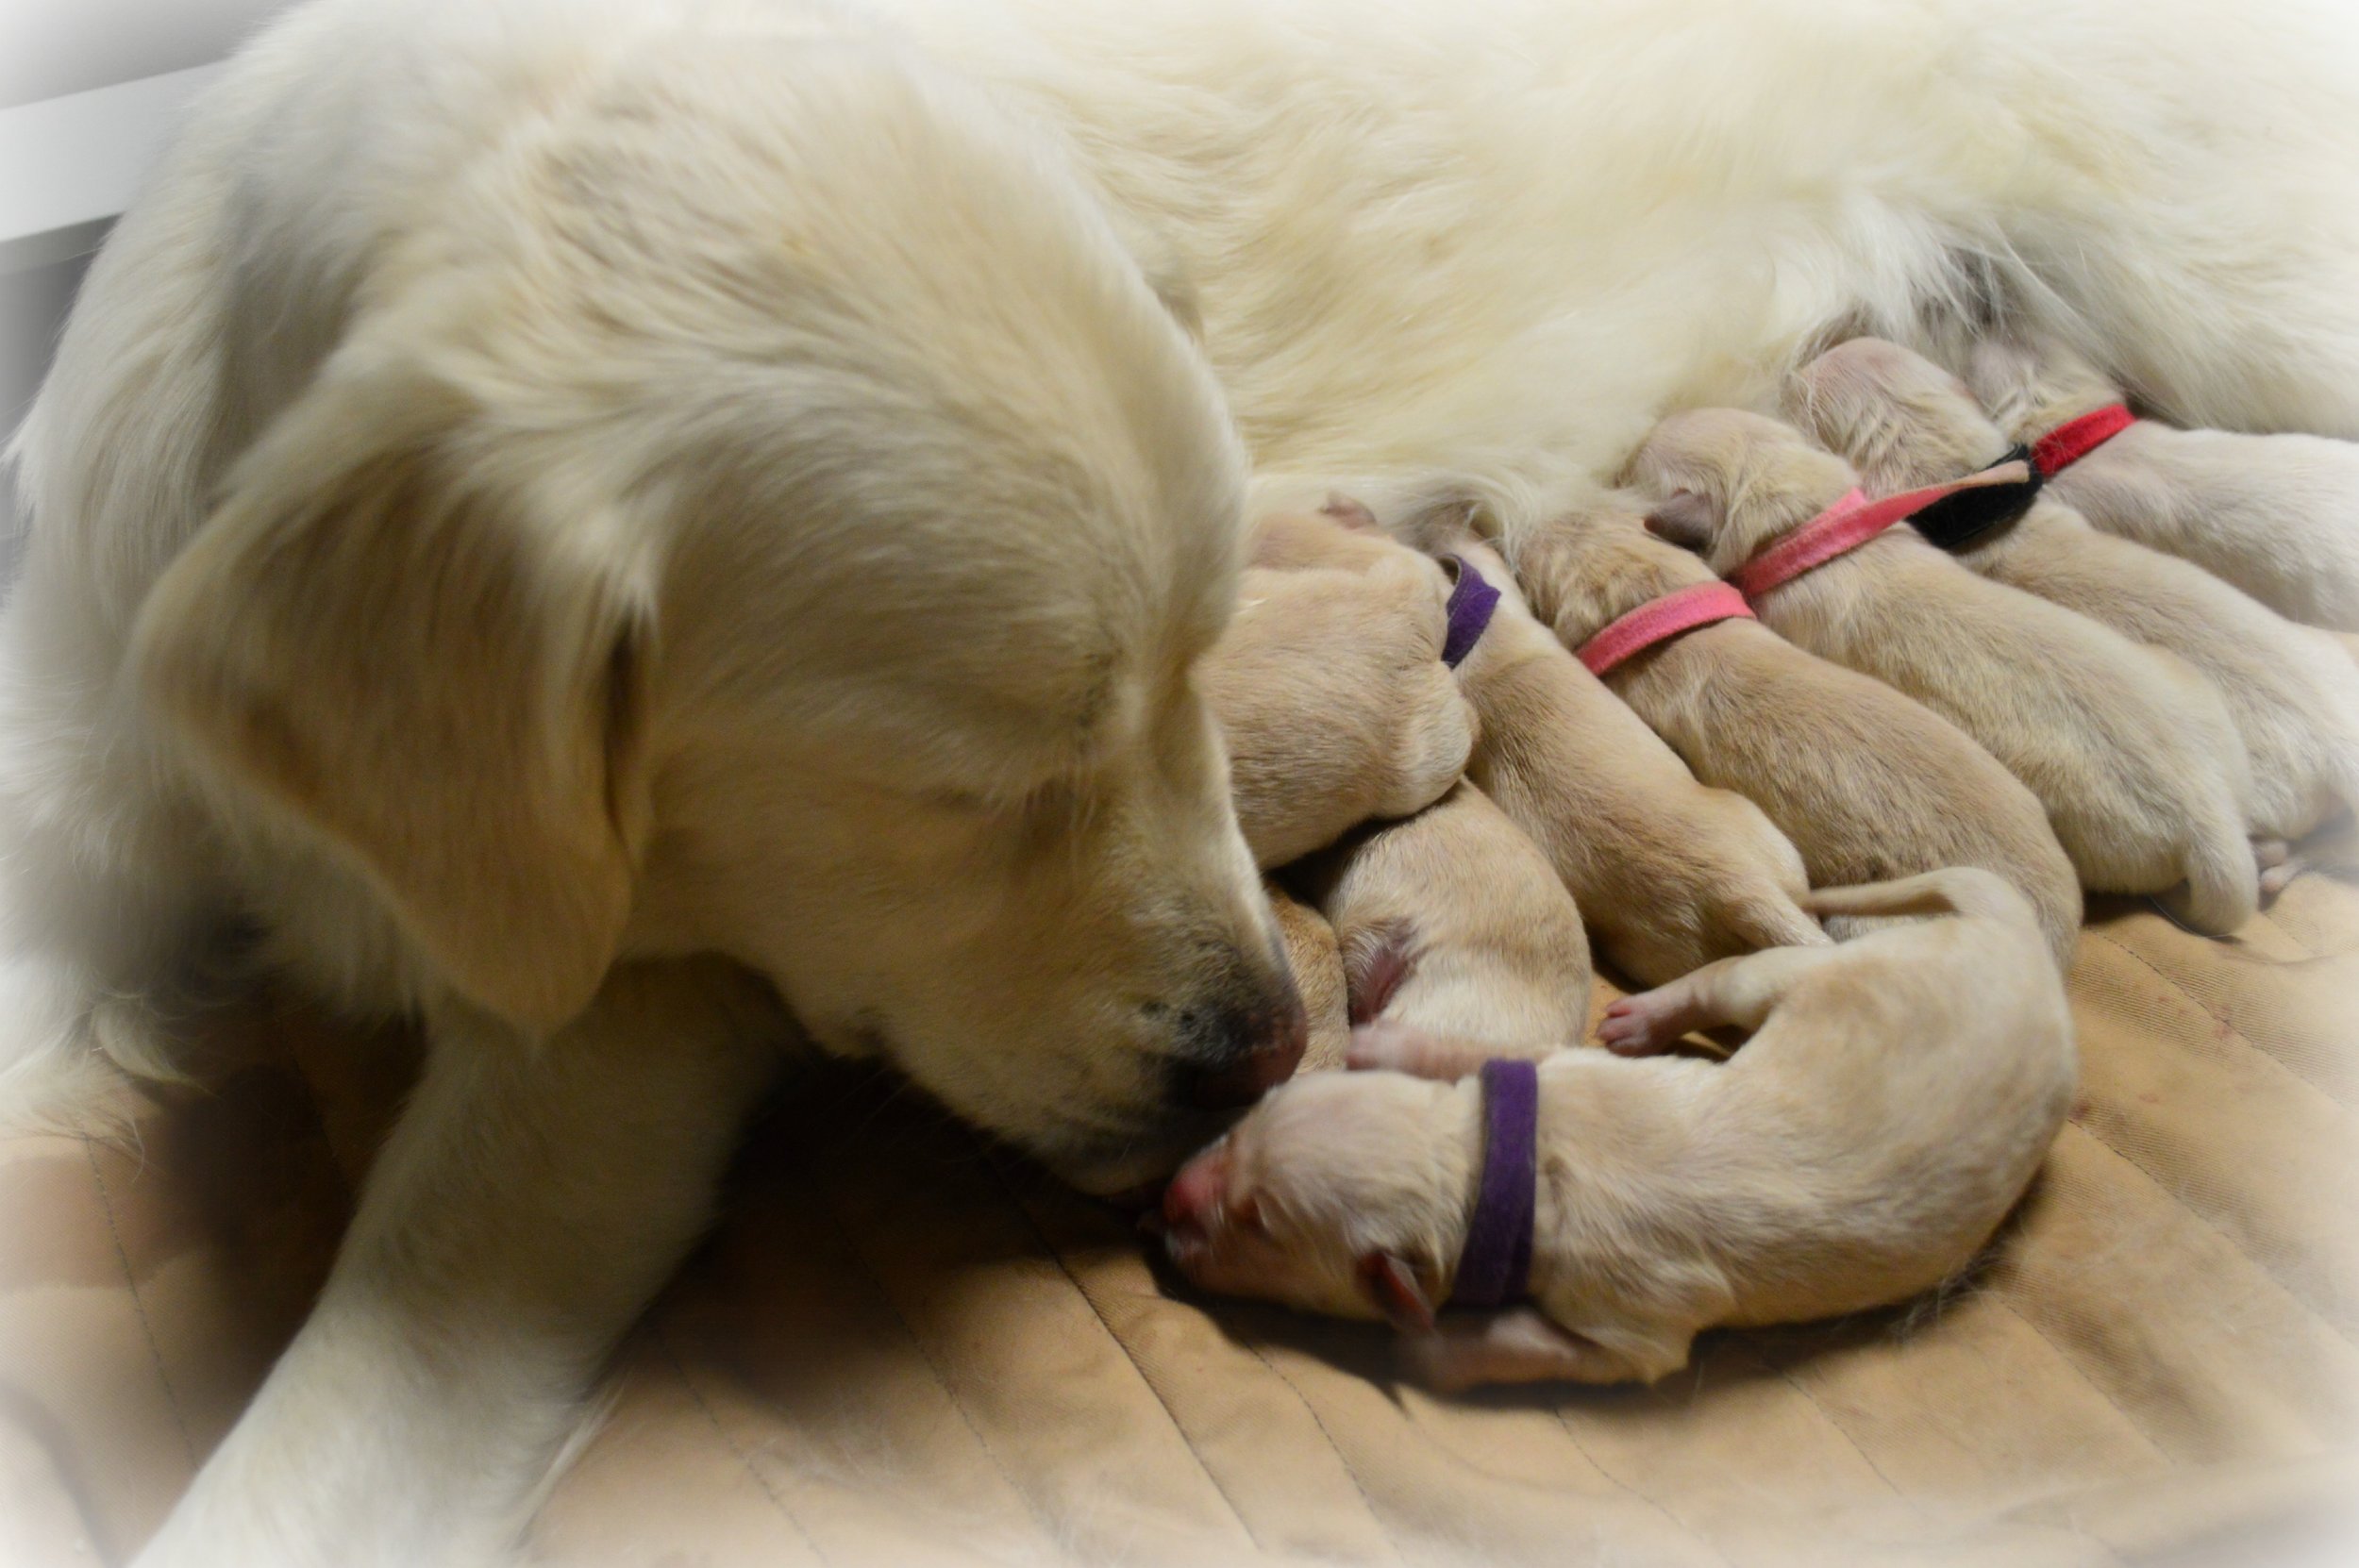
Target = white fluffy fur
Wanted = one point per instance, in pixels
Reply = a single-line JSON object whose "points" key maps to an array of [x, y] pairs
{"points": [[795, 413]]}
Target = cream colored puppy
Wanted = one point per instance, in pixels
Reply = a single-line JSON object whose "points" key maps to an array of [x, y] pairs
{"points": [[2277, 515], [1669, 874], [2141, 773], [1868, 784], [1896, 1096], [1906, 422], [1453, 923], [1329, 688]]}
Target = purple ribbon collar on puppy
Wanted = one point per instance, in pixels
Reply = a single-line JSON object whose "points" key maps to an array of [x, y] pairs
{"points": [[1471, 603], [1496, 1267]]}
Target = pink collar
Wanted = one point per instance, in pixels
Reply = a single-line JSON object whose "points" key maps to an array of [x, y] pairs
{"points": [[2075, 439], [1850, 523], [1658, 621]]}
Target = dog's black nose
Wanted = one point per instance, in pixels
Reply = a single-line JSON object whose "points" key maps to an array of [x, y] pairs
{"points": [[1248, 1053]]}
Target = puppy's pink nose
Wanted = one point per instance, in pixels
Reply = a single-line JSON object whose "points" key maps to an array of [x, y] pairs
{"points": [[1277, 1039], [1195, 1194]]}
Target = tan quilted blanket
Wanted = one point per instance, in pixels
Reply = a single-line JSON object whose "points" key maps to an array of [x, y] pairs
{"points": [[903, 1347]]}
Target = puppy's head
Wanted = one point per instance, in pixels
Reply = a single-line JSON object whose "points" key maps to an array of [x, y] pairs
{"points": [[2029, 392], [1903, 420], [1587, 567], [1343, 1194], [1725, 483], [788, 529]]}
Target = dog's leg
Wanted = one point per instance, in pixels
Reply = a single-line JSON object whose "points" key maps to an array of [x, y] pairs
{"points": [[532, 1199]]}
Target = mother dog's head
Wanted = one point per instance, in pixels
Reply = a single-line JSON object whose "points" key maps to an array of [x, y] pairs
{"points": [[766, 509]]}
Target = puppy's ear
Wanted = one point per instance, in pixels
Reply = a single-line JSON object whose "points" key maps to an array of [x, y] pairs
{"points": [[1685, 518], [441, 687], [1392, 1286]]}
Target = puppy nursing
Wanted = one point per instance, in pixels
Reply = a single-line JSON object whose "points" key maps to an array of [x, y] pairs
{"points": [[1896, 1095], [2142, 774], [1453, 924], [1868, 784], [1906, 422], [1329, 689], [2277, 515], [1669, 874]]}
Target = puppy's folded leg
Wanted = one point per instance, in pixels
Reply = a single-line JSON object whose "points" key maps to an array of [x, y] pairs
{"points": [[1739, 990], [1388, 1045], [1515, 1346], [531, 1199]]}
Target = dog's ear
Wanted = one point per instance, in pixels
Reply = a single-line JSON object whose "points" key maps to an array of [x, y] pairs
{"points": [[1685, 518], [440, 684], [1164, 268], [1392, 1286]]}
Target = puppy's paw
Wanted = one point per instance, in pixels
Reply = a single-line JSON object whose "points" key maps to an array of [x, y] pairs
{"points": [[1645, 1025], [1385, 1045], [1518, 1345], [2280, 863]]}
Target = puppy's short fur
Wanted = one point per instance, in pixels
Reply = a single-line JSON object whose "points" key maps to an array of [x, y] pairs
{"points": [[2142, 776], [1669, 874], [1895, 1098], [1317, 963], [1906, 422], [1454, 924], [2277, 515], [1329, 688], [1868, 784]]}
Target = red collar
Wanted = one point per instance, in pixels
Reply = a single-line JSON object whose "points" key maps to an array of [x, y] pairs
{"points": [[1658, 621], [1850, 523], [2075, 439]]}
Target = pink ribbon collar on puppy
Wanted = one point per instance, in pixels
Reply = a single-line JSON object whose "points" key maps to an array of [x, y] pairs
{"points": [[1851, 523], [1658, 621], [1495, 1266], [2075, 439]]}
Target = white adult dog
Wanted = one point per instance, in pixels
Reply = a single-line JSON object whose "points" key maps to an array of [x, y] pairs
{"points": [[542, 492]]}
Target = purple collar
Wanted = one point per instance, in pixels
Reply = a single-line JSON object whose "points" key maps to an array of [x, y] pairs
{"points": [[1471, 602], [1494, 1267]]}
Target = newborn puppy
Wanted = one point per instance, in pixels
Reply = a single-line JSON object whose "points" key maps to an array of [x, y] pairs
{"points": [[1317, 964], [1896, 1095], [1669, 874], [1331, 691], [1906, 422], [2142, 776], [1454, 922], [1868, 784], [2276, 515]]}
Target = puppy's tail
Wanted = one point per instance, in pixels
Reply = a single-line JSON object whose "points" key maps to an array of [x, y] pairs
{"points": [[1954, 891], [1779, 923]]}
